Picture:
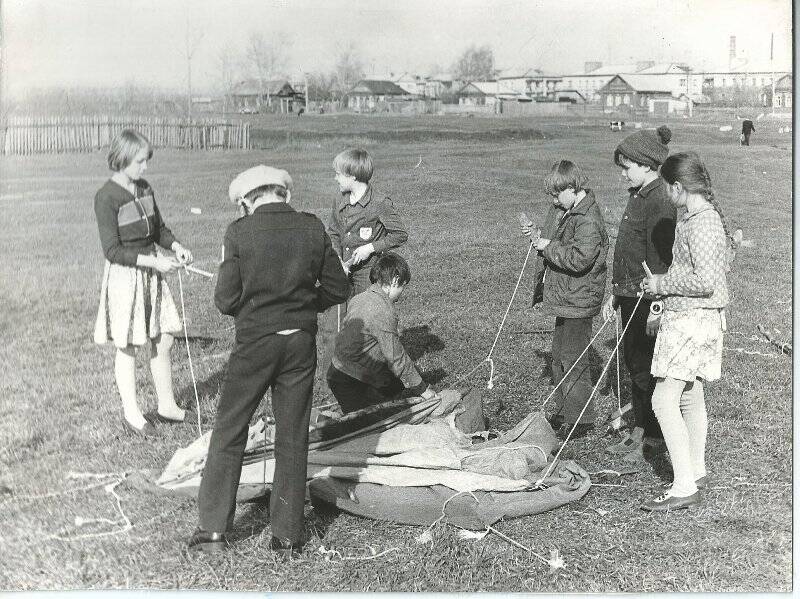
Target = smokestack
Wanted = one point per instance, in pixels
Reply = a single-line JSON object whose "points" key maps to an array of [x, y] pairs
{"points": [[732, 52]]}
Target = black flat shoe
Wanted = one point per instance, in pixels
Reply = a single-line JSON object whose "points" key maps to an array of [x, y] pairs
{"points": [[285, 547], [668, 503], [556, 421], [148, 430], [189, 417], [207, 542]]}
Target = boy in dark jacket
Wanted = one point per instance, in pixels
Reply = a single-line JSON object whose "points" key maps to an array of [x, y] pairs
{"points": [[646, 233], [278, 271], [573, 280]]}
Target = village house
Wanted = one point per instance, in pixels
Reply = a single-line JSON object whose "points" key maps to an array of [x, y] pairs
{"points": [[783, 93], [639, 94], [278, 95], [531, 83], [370, 95], [478, 93]]}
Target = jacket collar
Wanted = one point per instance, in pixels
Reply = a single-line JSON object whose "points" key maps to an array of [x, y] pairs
{"points": [[645, 190], [583, 206], [363, 200], [274, 207], [378, 290], [687, 215]]}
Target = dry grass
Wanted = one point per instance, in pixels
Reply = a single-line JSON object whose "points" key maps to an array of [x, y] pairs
{"points": [[60, 411]]}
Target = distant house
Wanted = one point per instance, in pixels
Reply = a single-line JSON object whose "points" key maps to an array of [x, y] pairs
{"points": [[278, 95], [206, 104], [410, 83], [783, 93], [442, 86], [572, 96], [639, 93], [531, 83], [369, 94], [478, 93]]}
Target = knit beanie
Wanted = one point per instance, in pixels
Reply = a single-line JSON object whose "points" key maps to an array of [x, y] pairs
{"points": [[645, 147]]}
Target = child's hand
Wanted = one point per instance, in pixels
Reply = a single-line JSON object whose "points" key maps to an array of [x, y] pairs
{"points": [[609, 309], [429, 393], [183, 255], [653, 322], [345, 266], [362, 253], [650, 284], [165, 264], [541, 243]]}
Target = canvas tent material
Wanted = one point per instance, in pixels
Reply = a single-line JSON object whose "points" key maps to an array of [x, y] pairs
{"points": [[403, 460]]}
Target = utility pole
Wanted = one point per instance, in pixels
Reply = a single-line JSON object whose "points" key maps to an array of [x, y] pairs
{"points": [[772, 66]]}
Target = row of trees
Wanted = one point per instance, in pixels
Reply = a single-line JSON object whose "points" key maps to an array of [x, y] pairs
{"points": [[262, 57]]}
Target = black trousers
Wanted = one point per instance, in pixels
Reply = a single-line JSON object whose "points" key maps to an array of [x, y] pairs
{"points": [[331, 320], [286, 364], [637, 352], [570, 338], [745, 139], [352, 394]]}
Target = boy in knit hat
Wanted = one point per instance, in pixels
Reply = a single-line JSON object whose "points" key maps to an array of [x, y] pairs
{"points": [[646, 233]]}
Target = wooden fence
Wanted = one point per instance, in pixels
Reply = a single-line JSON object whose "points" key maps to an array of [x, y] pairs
{"points": [[38, 135]]}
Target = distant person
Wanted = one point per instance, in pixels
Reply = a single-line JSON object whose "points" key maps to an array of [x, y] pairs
{"points": [[136, 306], [278, 271], [362, 224], [646, 233], [688, 348], [370, 365], [572, 281], [747, 130], [301, 111]]}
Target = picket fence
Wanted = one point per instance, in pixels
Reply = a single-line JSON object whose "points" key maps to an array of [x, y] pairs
{"points": [[38, 135]]}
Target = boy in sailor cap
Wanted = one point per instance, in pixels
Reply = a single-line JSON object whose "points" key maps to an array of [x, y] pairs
{"points": [[278, 271]]}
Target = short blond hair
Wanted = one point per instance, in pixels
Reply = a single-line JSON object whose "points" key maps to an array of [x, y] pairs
{"points": [[124, 148], [355, 163], [564, 174]]}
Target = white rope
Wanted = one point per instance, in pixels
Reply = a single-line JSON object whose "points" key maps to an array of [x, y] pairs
{"points": [[189, 354], [566, 374], [488, 358], [586, 405], [490, 384], [619, 387]]}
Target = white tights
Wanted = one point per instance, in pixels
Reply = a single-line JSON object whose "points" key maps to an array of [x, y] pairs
{"points": [[160, 368], [681, 411]]}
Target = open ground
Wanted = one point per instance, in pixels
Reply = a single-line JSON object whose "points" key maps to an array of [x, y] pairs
{"points": [[459, 182]]}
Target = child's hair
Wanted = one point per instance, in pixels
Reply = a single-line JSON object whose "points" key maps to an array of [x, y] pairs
{"points": [[124, 148], [355, 163], [564, 174], [688, 168], [389, 266], [278, 190]]}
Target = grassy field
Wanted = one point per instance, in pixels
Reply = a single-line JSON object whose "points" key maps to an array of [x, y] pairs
{"points": [[60, 413]]}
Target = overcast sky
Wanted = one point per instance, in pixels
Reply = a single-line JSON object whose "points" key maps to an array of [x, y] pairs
{"points": [[112, 42]]}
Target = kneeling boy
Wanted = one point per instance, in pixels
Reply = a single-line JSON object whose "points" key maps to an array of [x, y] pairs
{"points": [[370, 365]]}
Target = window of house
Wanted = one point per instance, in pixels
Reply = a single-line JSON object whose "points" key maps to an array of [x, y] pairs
{"points": [[626, 99], [724, 82], [682, 82], [778, 101], [788, 101]]}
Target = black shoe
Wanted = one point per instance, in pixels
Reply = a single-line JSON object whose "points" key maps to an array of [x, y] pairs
{"points": [[580, 431], [208, 542], [556, 421], [189, 417], [285, 547]]}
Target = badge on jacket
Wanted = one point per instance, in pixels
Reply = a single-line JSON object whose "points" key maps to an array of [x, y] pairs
{"points": [[365, 233]]}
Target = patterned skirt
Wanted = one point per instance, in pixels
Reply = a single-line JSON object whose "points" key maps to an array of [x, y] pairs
{"points": [[689, 344], [135, 306]]}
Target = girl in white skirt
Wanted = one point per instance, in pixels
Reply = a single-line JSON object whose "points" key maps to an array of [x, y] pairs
{"points": [[688, 348], [136, 306]]}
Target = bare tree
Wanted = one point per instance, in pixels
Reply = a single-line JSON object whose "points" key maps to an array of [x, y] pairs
{"points": [[349, 69], [475, 64], [266, 57], [227, 64], [193, 37]]}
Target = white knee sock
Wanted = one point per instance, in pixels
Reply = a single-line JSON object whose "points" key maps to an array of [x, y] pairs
{"points": [[693, 408], [666, 405]]}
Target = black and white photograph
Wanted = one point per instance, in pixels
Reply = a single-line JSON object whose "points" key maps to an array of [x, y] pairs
{"points": [[373, 296]]}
